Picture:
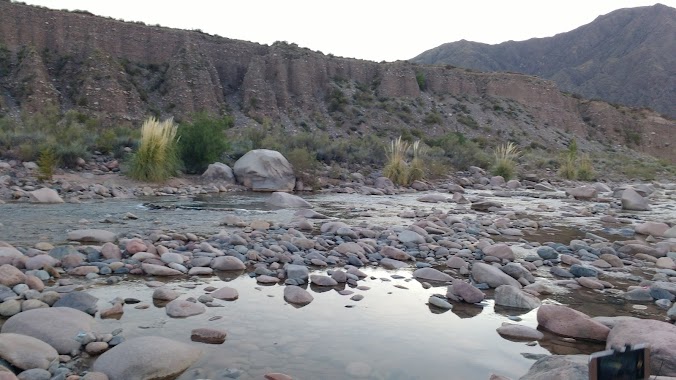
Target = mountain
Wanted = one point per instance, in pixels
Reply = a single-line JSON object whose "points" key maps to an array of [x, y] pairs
{"points": [[121, 72], [627, 56]]}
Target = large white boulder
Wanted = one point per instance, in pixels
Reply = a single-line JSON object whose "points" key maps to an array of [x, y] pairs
{"points": [[265, 170], [45, 195]]}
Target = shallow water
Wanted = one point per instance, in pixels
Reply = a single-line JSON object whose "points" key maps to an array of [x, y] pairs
{"points": [[391, 334]]}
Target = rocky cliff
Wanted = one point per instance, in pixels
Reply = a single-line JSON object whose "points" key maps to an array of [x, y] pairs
{"points": [[626, 57], [121, 72]]}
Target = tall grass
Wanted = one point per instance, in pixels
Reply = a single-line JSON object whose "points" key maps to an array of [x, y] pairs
{"points": [[157, 157], [416, 170], [505, 160], [47, 162], [585, 171], [396, 168]]}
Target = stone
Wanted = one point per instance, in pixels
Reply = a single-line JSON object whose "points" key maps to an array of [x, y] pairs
{"points": [[519, 332], [112, 312], [41, 261], [631, 200], [39, 323], [660, 336], [148, 357], [394, 253], [440, 303], [582, 192], [388, 263], [265, 170], [219, 172], [567, 322], [432, 198], [26, 352], [208, 335], [183, 309], [321, 280], [408, 236], [297, 295], [494, 277], [277, 376], [559, 367], [468, 292], [35, 374], [265, 279], [172, 257], [10, 276], [159, 270], [579, 270], [590, 282], [96, 348], [165, 294], [511, 296], [547, 253], [456, 262], [82, 301], [431, 274], [45, 195], [651, 228], [111, 251], [134, 246], [286, 200], [92, 236], [297, 272], [226, 293], [10, 308], [227, 263], [665, 263]]}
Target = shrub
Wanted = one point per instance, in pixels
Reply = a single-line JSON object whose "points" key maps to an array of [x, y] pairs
{"points": [[568, 167], [203, 141], [157, 156], [585, 171], [505, 164], [67, 154], [416, 170], [47, 162], [461, 152], [422, 81]]}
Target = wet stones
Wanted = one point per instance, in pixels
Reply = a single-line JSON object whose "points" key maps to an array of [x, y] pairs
{"points": [[431, 274], [519, 332], [297, 295], [208, 335], [182, 309], [492, 276], [568, 322], [510, 296], [579, 270]]}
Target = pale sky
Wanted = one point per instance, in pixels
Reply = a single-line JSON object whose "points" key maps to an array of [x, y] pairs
{"points": [[367, 29]]}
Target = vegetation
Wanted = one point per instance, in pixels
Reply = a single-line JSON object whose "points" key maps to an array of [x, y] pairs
{"points": [[203, 141], [575, 167], [421, 79], [460, 152], [585, 171], [46, 163], [398, 169], [505, 160], [157, 156]]}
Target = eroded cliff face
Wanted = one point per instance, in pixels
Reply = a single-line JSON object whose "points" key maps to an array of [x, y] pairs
{"points": [[122, 72]]}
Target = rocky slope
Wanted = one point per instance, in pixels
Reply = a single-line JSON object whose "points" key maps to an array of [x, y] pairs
{"points": [[626, 56], [121, 72]]}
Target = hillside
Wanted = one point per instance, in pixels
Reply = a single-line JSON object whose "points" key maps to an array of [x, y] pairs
{"points": [[627, 56], [121, 72]]}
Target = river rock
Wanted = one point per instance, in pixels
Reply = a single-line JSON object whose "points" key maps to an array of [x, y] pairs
{"points": [[494, 277], [582, 192], [660, 336], [579, 270], [227, 263], [182, 308], [92, 235], [10, 276], [165, 294], [45, 195], [408, 236], [297, 295], [39, 323], [511, 296], [547, 253], [388, 263], [265, 170], [159, 270], [651, 228], [559, 367], [226, 293], [468, 292], [26, 352], [297, 272], [440, 303], [208, 335], [431, 274], [394, 253], [321, 280], [665, 263], [286, 200], [519, 332], [219, 172], [565, 321], [631, 200], [82, 301], [148, 357]]}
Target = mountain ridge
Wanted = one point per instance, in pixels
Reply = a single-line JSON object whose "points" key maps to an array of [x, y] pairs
{"points": [[625, 56]]}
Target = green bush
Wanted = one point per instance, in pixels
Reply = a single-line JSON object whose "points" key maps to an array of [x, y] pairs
{"points": [[203, 141], [461, 152], [68, 154], [47, 162], [157, 156], [585, 171], [505, 160]]}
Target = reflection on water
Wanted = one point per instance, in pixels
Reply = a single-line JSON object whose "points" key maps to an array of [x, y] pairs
{"points": [[392, 330]]}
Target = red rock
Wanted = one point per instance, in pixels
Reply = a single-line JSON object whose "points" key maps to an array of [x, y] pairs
{"points": [[135, 246]]}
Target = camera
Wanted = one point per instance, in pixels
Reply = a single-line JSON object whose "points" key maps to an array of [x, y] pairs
{"points": [[624, 363]]}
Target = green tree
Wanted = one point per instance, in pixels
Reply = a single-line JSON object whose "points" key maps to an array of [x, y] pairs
{"points": [[203, 141]]}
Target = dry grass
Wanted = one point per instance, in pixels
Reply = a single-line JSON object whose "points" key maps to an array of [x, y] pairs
{"points": [[396, 168], [157, 156], [585, 171], [505, 160]]}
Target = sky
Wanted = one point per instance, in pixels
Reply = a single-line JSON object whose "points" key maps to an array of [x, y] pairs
{"points": [[377, 30]]}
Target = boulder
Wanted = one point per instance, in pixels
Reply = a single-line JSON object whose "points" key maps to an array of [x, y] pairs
{"points": [[165, 294], [148, 357], [265, 170], [92, 235], [660, 336], [57, 326], [494, 277], [45, 195], [501, 251], [286, 200], [82, 301], [631, 200], [226, 293], [468, 292], [26, 352], [559, 367], [321, 280], [10, 276], [511, 296], [227, 263], [219, 172], [582, 192], [567, 322], [297, 295], [651, 228], [182, 308]]}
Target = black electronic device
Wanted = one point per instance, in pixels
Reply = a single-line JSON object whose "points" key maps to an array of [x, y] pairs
{"points": [[624, 363]]}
